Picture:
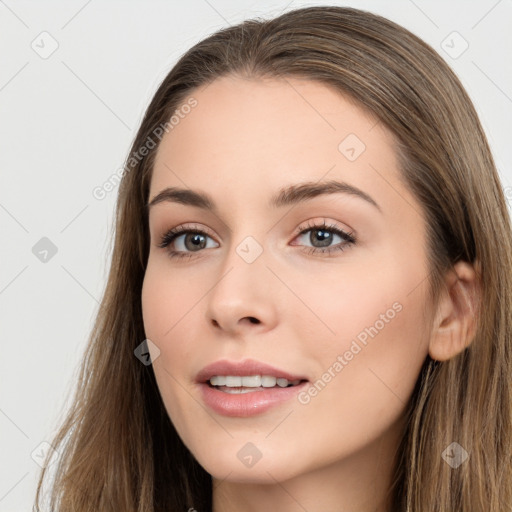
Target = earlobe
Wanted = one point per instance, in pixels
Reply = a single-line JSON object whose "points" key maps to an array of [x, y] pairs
{"points": [[455, 321]]}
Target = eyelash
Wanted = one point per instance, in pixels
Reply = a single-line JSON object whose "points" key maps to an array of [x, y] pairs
{"points": [[349, 238]]}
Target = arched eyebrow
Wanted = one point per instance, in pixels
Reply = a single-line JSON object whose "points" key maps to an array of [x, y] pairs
{"points": [[287, 196]]}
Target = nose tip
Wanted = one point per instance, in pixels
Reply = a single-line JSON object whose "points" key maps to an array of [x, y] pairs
{"points": [[242, 297]]}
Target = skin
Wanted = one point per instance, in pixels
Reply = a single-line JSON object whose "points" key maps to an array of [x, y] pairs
{"points": [[243, 141]]}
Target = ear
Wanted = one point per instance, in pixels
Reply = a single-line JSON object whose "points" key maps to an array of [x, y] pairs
{"points": [[454, 324]]}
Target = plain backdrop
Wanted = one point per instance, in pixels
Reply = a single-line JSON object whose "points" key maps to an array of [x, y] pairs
{"points": [[75, 79]]}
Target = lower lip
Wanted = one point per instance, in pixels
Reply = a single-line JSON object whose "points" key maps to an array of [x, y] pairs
{"points": [[247, 404]]}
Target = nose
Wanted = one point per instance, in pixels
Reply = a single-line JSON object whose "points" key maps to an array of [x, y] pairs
{"points": [[241, 299]]}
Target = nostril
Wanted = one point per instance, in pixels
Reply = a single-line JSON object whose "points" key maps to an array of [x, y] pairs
{"points": [[253, 320]]}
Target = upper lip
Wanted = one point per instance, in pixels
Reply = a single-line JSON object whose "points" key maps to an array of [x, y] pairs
{"points": [[243, 368]]}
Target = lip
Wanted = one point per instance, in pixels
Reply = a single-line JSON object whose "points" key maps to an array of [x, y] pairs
{"points": [[243, 368], [251, 403], [247, 404]]}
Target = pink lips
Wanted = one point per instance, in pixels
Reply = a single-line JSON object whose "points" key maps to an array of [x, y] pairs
{"points": [[250, 403]]}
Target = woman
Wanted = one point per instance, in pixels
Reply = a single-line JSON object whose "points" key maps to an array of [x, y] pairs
{"points": [[291, 370]]}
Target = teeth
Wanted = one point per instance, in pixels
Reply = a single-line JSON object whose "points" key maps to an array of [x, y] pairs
{"points": [[233, 382], [252, 381], [268, 382]]}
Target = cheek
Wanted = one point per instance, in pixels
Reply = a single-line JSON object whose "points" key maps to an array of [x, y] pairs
{"points": [[168, 315], [380, 304], [168, 299], [367, 370]]}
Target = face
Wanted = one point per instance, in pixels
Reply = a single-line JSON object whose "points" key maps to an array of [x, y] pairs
{"points": [[326, 284]]}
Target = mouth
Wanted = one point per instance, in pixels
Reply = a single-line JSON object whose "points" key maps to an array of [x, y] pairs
{"points": [[246, 388], [248, 373]]}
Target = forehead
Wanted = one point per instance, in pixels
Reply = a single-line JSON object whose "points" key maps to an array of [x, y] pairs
{"points": [[251, 137], [284, 114]]}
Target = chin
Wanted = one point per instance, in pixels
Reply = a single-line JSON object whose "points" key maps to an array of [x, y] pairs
{"points": [[269, 468]]}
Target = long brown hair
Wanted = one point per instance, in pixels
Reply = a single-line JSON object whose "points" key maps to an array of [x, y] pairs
{"points": [[118, 448]]}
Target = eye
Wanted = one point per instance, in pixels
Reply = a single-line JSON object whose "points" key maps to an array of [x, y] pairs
{"points": [[192, 240], [322, 235]]}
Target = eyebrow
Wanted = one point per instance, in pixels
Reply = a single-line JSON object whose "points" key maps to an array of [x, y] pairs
{"points": [[286, 196]]}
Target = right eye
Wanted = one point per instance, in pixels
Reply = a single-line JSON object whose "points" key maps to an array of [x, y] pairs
{"points": [[193, 240]]}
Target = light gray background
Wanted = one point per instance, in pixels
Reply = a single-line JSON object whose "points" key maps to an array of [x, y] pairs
{"points": [[66, 124]]}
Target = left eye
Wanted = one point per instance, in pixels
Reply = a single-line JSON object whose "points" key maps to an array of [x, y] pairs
{"points": [[323, 236], [193, 240]]}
